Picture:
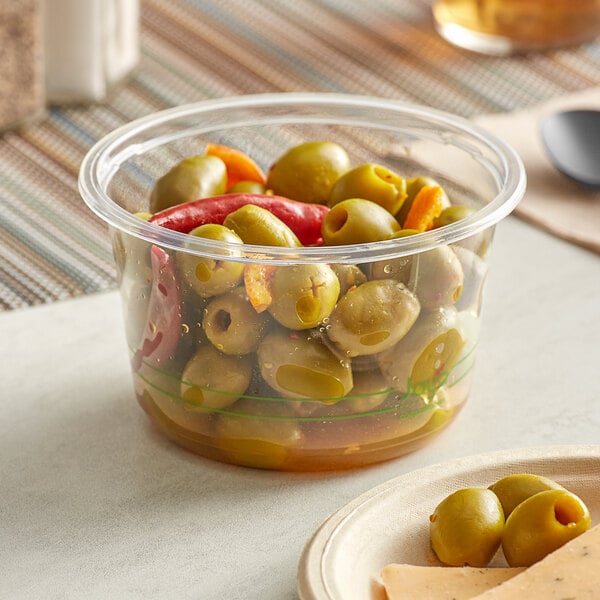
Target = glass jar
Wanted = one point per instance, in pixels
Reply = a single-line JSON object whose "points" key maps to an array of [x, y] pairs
{"points": [[503, 27]]}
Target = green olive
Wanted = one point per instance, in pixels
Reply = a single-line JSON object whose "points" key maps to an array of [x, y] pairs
{"points": [[257, 434], [308, 171], [413, 186], [246, 187], [372, 317], [372, 182], [514, 489], [436, 277], [452, 214], [356, 221], [349, 276], [474, 270], [212, 379], [131, 253], [192, 178], [357, 424], [541, 524], [437, 419], [232, 325], [257, 225], [423, 360], [303, 295], [210, 276], [159, 393], [301, 366], [404, 233], [370, 390], [466, 527]]}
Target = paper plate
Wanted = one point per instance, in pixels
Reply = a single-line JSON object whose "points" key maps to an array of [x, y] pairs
{"points": [[389, 523]]}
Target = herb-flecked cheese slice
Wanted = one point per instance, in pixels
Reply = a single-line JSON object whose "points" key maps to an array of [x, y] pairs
{"points": [[572, 572], [411, 582]]}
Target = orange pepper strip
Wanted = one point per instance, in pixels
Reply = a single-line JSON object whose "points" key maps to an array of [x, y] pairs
{"points": [[240, 167], [426, 207], [257, 281]]}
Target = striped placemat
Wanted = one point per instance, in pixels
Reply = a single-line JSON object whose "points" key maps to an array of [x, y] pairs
{"points": [[53, 248]]}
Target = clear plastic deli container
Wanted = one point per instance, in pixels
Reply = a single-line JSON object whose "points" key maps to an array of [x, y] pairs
{"points": [[362, 351]]}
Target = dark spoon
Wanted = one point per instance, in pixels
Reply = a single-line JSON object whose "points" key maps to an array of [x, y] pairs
{"points": [[572, 141]]}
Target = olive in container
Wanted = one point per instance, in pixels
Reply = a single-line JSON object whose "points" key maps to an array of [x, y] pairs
{"points": [[331, 354]]}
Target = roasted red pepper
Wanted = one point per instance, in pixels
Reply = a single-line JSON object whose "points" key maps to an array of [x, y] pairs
{"points": [[163, 324], [303, 219]]}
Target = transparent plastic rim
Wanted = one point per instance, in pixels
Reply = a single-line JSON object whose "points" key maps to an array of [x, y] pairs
{"points": [[103, 160]]}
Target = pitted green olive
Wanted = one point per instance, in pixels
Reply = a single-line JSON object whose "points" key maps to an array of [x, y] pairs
{"points": [[159, 390], [192, 178], [372, 182], [452, 214], [381, 424], [372, 317], [474, 270], [517, 487], [369, 392], [212, 379], [231, 323], [210, 276], [257, 434], [541, 524], [308, 171], [466, 527], [404, 233], [300, 366], [303, 295], [413, 186], [247, 187], [356, 221], [349, 276], [131, 253], [422, 361], [436, 277], [257, 225]]}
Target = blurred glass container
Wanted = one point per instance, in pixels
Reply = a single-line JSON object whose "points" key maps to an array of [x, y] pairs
{"points": [[90, 47], [503, 27], [22, 96]]}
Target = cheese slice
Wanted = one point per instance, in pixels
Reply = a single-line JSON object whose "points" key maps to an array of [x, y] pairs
{"points": [[572, 571], [411, 582]]}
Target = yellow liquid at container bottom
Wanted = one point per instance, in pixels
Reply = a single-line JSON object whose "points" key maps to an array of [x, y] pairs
{"points": [[326, 446], [507, 26]]}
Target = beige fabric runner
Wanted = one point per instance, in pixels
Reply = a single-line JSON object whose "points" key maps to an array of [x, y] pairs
{"points": [[552, 201]]}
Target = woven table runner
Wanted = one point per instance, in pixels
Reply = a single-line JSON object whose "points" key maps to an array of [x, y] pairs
{"points": [[53, 248]]}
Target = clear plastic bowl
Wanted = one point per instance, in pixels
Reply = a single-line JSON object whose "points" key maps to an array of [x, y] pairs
{"points": [[296, 401]]}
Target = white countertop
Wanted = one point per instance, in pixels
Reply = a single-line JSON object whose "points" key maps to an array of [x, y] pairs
{"points": [[95, 504]]}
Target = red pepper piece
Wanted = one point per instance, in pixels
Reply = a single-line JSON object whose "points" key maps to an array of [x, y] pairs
{"points": [[303, 219], [163, 324]]}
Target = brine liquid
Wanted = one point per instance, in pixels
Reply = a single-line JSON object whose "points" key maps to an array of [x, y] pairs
{"points": [[311, 445], [503, 26]]}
